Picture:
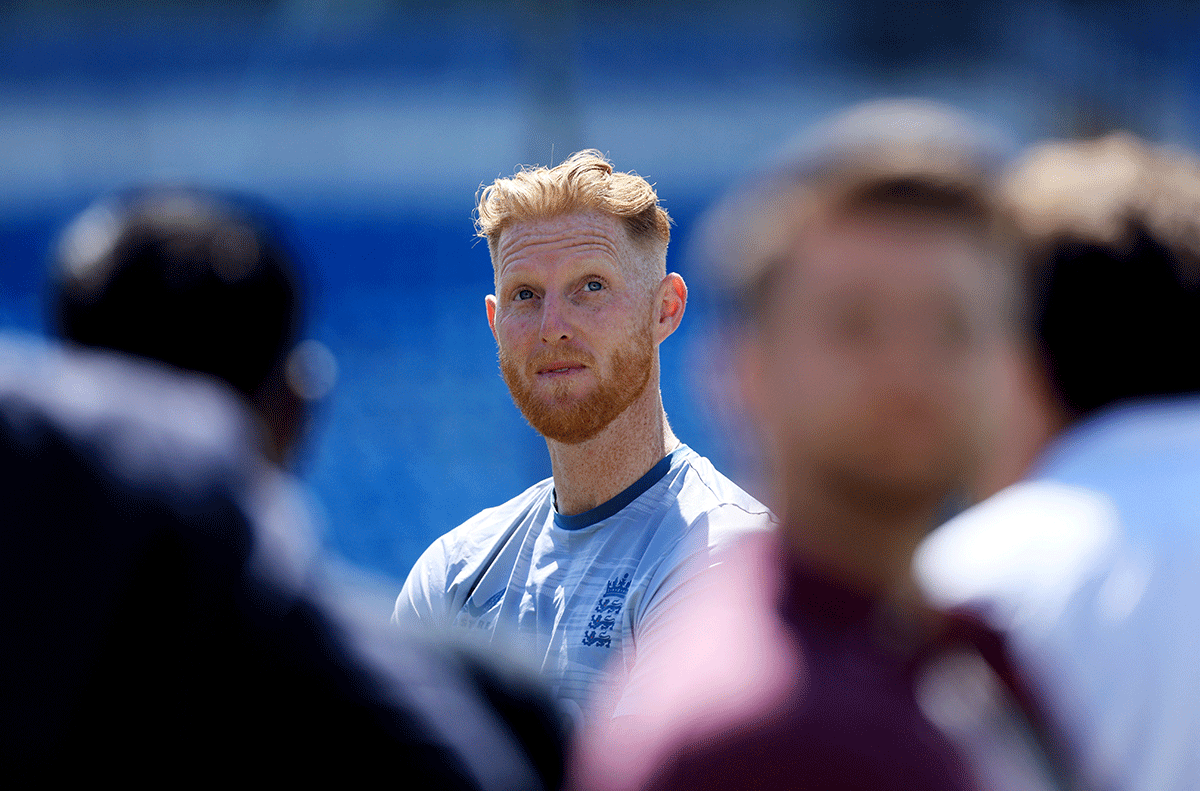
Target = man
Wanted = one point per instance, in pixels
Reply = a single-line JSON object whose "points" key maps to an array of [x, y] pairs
{"points": [[156, 629], [1091, 563], [582, 569], [870, 276]]}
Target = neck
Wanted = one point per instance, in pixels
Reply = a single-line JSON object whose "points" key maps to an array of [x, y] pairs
{"points": [[595, 471], [866, 545]]}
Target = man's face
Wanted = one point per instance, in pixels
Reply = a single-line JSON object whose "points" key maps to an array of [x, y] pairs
{"points": [[869, 368], [574, 323]]}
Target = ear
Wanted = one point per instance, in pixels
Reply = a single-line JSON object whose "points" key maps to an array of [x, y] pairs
{"points": [[670, 302], [490, 302]]}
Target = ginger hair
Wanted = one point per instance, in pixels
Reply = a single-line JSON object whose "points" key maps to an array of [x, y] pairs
{"points": [[584, 182]]}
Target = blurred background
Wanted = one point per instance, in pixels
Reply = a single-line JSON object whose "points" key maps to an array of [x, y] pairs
{"points": [[373, 123]]}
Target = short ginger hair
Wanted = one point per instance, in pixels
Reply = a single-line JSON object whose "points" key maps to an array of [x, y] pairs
{"points": [[584, 182]]}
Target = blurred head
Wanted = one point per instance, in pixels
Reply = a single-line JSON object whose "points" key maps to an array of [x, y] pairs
{"points": [[872, 292], [582, 295], [191, 279], [1113, 268]]}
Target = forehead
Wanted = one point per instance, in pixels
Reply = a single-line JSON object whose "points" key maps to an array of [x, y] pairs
{"points": [[893, 251], [555, 239]]}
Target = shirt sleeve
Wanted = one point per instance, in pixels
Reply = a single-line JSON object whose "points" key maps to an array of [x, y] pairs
{"points": [[423, 602], [687, 578]]}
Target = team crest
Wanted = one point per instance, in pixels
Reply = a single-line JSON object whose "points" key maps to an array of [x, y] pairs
{"points": [[604, 616]]}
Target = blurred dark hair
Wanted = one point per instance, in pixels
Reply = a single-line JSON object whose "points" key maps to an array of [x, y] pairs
{"points": [[200, 280], [1113, 269]]}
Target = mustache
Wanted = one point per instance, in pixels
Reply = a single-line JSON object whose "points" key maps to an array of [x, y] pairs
{"points": [[559, 355]]}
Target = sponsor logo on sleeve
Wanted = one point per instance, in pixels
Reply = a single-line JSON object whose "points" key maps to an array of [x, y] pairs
{"points": [[477, 611]]}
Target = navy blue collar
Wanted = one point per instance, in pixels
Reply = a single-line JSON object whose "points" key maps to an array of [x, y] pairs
{"points": [[607, 509]]}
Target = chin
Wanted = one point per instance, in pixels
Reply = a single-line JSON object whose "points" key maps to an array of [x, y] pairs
{"points": [[896, 485], [562, 395], [572, 412]]}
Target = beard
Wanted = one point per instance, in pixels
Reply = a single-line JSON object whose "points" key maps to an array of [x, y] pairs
{"points": [[884, 466], [574, 419], [879, 494]]}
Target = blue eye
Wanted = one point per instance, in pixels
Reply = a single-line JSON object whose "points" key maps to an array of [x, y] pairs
{"points": [[524, 294], [594, 285]]}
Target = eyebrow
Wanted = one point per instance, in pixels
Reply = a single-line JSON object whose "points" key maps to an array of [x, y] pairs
{"points": [[608, 254]]}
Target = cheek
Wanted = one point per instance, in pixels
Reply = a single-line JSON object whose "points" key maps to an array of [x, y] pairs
{"points": [[972, 382], [807, 371], [806, 387], [513, 330], [987, 397], [615, 330]]}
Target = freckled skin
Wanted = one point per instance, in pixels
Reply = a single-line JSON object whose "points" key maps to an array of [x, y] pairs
{"points": [[578, 314]]}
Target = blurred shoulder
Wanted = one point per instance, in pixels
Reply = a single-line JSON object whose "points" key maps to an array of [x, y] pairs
{"points": [[145, 423], [1023, 549]]}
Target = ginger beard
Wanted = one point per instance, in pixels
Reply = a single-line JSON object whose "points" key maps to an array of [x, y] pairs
{"points": [[574, 419]]}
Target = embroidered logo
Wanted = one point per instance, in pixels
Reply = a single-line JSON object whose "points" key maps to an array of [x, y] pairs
{"points": [[475, 611], [604, 616]]}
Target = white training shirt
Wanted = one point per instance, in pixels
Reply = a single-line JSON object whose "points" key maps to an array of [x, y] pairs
{"points": [[1092, 567], [576, 592]]}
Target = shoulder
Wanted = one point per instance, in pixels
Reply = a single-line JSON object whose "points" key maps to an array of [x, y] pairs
{"points": [[701, 516], [1020, 551], [148, 426], [475, 713], [705, 498], [467, 549], [482, 530]]}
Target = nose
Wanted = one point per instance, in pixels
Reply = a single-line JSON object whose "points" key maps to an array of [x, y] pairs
{"points": [[556, 326], [918, 366]]}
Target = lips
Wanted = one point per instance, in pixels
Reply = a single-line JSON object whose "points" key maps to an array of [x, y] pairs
{"points": [[564, 361], [558, 367]]}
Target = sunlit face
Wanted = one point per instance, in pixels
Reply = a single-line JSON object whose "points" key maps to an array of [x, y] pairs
{"points": [[573, 317], [870, 367]]}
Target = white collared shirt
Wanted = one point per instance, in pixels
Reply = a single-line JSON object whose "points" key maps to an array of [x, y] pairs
{"points": [[1092, 567]]}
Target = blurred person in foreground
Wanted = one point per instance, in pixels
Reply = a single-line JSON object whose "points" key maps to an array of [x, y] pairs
{"points": [[207, 284], [204, 282], [200, 280], [1092, 563], [871, 274], [582, 569], [159, 625]]}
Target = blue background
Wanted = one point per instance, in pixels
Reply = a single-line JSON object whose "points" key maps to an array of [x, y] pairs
{"points": [[372, 125]]}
